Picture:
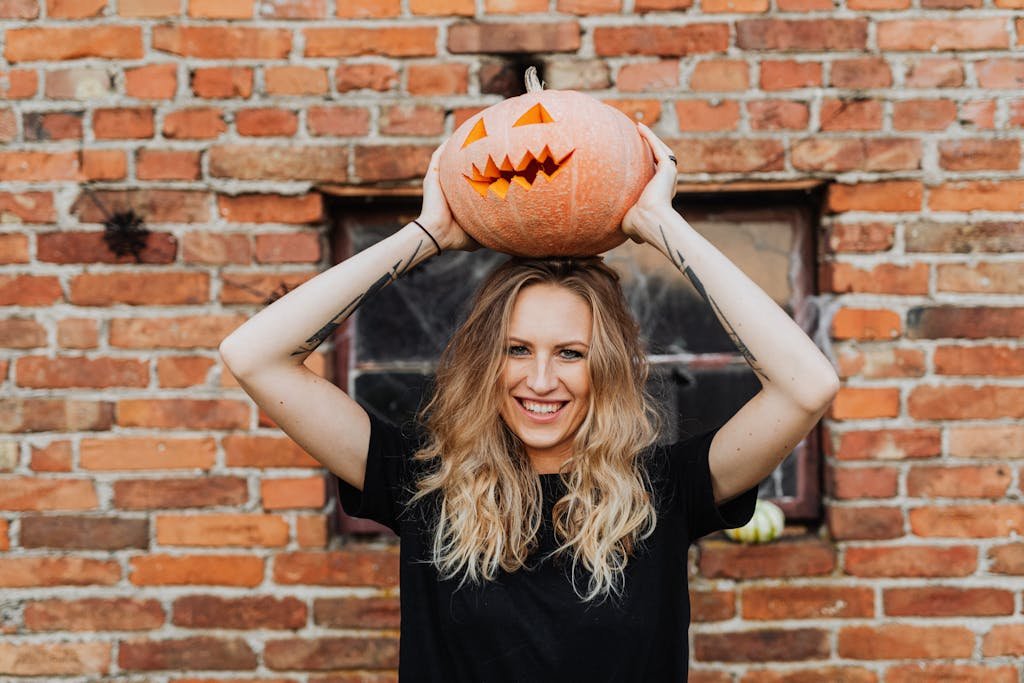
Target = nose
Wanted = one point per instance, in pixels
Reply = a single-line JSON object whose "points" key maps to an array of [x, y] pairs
{"points": [[542, 377]]}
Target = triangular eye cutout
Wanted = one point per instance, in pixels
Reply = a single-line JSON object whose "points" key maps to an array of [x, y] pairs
{"points": [[537, 114], [478, 132]]}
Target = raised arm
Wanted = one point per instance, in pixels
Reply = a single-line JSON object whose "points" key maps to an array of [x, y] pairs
{"points": [[266, 353], [797, 381]]}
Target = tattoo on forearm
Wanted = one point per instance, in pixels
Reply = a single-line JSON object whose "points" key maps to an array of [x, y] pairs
{"points": [[679, 262], [397, 270]]}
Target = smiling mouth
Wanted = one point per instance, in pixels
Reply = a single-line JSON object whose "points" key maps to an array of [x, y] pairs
{"points": [[541, 407], [498, 178]]}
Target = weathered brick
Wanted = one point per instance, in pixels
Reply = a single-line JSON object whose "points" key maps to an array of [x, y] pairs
{"points": [[808, 34], [168, 493], [995, 441], [718, 75], [152, 82], [807, 602], [29, 572], [266, 122], [864, 523], [167, 164], [183, 371], [761, 645], [981, 195], [348, 567], [836, 674], [984, 481], [926, 673], [148, 8], [366, 76], [797, 557], [935, 72], [860, 403], [222, 42], [42, 126], [960, 402], [979, 360], [852, 483], [31, 493], [911, 561], [865, 324], [157, 206], [80, 83], [265, 451], [899, 641], [27, 207], [408, 119], [212, 611], [995, 278], [884, 278], [222, 530], [73, 42], [789, 75], [369, 9], [216, 248], [194, 124], [199, 652], [437, 79], [859, 114], [54, 659], [200, 570], [21, 333], [413, 41], [338, 121], [861, 73], [172, 413], [931, 115], [147, 453], [39, 166], [282, 494], [860, 237], [892, 195], [964, 238], [1004, 639], [311, 531], [778, 115], [221, 9], [967, 521], [53, 457], [942, 35], [149, 289], [321, 654], [222, 82], [184, 332], [395, 162], [728, 155], [295, 80], [715, 605], [977, 322], [18, 84], [1007, 559], [357, 613], [294, 9], [242, 288], [94, 614], [662, 41], [881, 363], [54, 414], [104, 164], [84, 533], [258, 162], [698, 115], [67, 371]]}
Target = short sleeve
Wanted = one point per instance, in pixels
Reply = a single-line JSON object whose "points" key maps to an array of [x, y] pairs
{"points": [[387, 480], [692, 472]]}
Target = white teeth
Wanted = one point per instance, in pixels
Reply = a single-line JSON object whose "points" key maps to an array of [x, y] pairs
{"points": [[541, 407]]}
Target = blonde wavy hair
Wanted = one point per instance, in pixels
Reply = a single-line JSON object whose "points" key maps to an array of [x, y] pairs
{"points": [[490, 502]]}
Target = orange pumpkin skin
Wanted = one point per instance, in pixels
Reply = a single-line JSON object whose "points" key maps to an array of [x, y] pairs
{"points": [[509, 148]]}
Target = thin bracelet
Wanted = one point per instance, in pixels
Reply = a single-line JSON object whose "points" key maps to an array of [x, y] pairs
{"points": [[436, 245]]}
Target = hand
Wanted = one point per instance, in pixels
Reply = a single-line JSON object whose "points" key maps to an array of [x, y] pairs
{"points": [[436, 216], [657, 195]]}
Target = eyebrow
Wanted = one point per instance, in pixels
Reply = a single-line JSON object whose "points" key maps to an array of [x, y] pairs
{"points": [[572, 342]]}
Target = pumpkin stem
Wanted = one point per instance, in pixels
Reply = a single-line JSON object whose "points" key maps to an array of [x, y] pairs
{"points": [[533, 83]]}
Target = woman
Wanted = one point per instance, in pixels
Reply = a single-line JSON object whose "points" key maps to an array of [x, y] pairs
{"points": [[543, 536]]}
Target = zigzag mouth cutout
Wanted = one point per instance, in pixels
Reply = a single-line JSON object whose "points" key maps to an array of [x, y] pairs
{"points": [[499, 178]]}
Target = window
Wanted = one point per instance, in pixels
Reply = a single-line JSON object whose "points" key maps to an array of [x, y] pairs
{"points": [[386, 352]]}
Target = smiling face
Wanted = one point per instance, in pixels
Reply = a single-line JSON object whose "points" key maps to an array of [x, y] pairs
{"points": [[546, 379]]}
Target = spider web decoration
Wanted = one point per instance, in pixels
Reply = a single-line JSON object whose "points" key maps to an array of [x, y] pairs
{"points": [[124, 232]]}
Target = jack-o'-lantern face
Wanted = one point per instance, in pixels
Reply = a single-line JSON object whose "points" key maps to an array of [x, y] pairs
{"points": [[547, 173], [497, 175]]}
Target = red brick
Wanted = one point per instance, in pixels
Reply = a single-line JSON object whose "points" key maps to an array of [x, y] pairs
{"points": [[808, 34], [984, 481], [13, 248], [807, 602], [282, 494], [222, 42], [29, 572], [848, 483], [789, 75], [298, 209], [437, 79], [184, 332], [861, 73], [959, 402], [158, 206], [199, 652], [104, 164], [928, 673], [735, 6], [369, 9], [365, 76], [94, 614], [295, 9], [262, 612], [27, 493], [799, 557], [169, 493], [63, 372], [761, 645], [257, 162], [19, 9], [935, 72], [311, 531], [194, 124], [964, 238], [148, 8], [881, 363], [18, 84], [79, 83], [976, 322], [415, 41], [859, 403], [147, 453], [221, 9], [55, 659], [911, 561], [53, 457], [295, 80], [73, 42], [21, 333], [200, 570], [222, 82], [332, 653], [648, 76], [865, 523], [860, 237], [1004, 639], [29, 290], [151, 289], [967, 521], [42, 126], [720, 75], [833, 674], [979, 155], [714, 605], [90, 247], [394, 162], [721, 155], [357, 613], [993, 278], [698, 115], [648, 111], [265, 451], [663, 41], [338, 121], [899, 641], [942, 35], [1000, 73], [28, 207], [892, 195], [183, 371], [923, 114], [348, 567], [216, 248], [980, 113], [777, 115], [39, 166], [865, 324], [981, 195], [851, 115], [266, 122], [461, 7], [408, 119], [1007, 559], [167, 164], [245, 530], [54, 414], [979, 360], [71, 532], [661, 5], [884, 278], [288, 248], [152, 82], [183, 413]]}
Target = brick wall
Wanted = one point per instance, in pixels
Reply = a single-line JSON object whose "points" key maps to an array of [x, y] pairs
{"points": [[154, 527]]}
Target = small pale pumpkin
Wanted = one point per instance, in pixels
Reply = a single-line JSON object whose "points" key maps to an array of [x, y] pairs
{"points": [[766, 524], [548, 173]]}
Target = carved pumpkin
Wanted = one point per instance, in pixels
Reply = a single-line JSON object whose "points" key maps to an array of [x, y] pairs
{"points": [[548, 173]]}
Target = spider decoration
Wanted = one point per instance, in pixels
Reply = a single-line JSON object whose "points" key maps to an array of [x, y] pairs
{"points": [[124, 232]]}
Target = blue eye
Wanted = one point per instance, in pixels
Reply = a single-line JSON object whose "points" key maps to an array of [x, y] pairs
{"points": [[517, 350], [571, 354]]}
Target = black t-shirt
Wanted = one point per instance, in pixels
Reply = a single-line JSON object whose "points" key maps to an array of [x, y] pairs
{"points": [[529, 625]]}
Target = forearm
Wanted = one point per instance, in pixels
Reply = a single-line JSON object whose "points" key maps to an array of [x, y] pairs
{"points": [[780, 353], [292, 327]]}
